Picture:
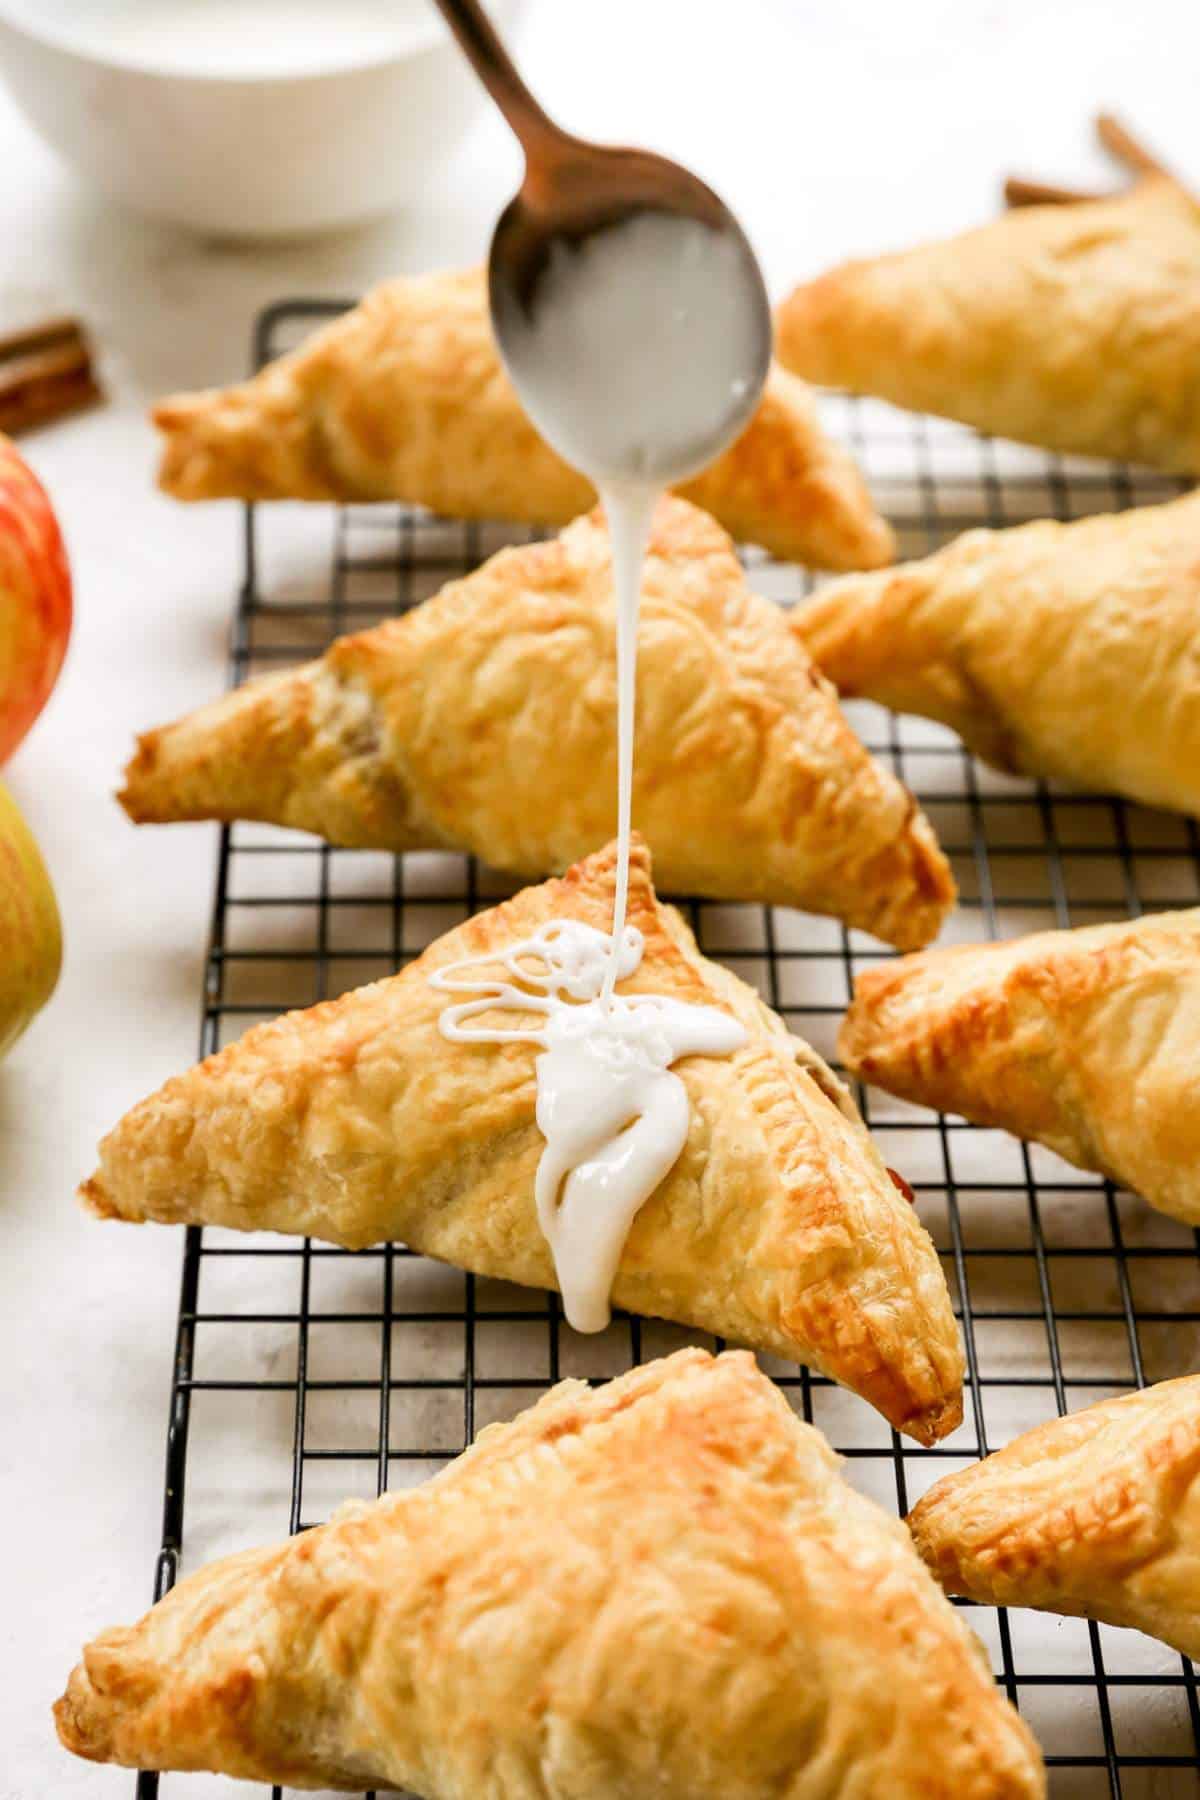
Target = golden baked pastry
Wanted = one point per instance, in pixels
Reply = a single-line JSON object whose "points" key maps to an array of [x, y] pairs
{"points": [[1058, 650], [406, 398], [1087, 1041], [357, 1122], [1076, 327], [1097, 1515], [486, 720], [659, 1587]]}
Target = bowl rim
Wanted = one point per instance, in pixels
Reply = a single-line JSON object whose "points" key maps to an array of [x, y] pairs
{"points": [[432, 35]]}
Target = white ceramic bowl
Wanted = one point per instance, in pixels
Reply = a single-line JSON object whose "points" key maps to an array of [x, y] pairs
{"points": [[278, 144]]}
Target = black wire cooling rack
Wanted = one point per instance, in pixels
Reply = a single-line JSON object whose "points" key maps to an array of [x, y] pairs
{"points": [[304, 1375]]}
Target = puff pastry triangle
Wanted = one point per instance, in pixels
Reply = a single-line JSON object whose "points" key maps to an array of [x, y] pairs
{"points": [[662, 1586], [486, 719], [405, 398], [357, 1122], [1097, 1515], [1087, 1041], [1059, 650], [1076, 327]]}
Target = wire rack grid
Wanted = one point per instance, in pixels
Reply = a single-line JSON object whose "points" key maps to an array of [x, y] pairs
{"points": [[304, 1375]]}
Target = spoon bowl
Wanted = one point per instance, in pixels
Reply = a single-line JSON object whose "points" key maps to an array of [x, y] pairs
{"points": [[630, 312], [627, 304]]}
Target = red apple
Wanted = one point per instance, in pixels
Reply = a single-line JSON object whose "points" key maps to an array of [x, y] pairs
{"points": [[35, 598]]}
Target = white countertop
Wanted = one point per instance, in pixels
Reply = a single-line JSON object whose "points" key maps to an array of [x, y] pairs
{"points": [[831, 128]]}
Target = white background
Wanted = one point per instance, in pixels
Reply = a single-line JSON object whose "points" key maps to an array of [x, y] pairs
{"points": [[833, 128]]}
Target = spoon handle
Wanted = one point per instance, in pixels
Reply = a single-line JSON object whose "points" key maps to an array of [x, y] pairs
{"points": [[477, 35]]}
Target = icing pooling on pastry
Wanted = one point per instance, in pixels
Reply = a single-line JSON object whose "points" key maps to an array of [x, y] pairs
{"points": [[612, 1111]]}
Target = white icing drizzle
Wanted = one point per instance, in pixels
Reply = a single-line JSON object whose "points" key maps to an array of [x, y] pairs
{"points": [[612, 1111]]}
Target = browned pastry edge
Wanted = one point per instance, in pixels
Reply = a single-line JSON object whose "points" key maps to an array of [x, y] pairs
{"points": [[1094, 1515]]}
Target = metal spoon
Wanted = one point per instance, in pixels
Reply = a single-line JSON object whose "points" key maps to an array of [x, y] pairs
{"points": [[596, 231]]}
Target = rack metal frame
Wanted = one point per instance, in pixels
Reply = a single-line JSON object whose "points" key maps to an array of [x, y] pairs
{"points": [[1066, 1288]]}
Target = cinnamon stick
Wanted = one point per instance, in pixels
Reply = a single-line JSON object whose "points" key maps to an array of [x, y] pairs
{"points": [[45, 372], [42, 336], [1120, 142]]}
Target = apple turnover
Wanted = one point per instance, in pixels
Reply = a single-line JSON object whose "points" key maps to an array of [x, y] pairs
{"points": [[663, 1586], [406, 398], [486, 720], [1087, 1041], [359, 1122], [1063, 651], [1096, 1515], [1076, 327]]}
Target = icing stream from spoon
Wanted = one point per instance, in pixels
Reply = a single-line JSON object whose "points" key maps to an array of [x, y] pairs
{"points": [[630, 513], [642, 357]]}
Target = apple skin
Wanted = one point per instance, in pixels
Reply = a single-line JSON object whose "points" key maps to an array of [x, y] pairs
{"points": [[35, 598], [30, 932]]}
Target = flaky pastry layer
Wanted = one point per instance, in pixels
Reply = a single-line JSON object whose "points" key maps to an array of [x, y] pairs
{"points": [[359, 1123], [1087, 1041], [1067, 651], [405, 398], [659, 1587], [1096, 1514], [486, 719], [1076, 327]]}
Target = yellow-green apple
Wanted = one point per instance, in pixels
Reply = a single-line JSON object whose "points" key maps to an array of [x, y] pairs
{"points": [[35, 598], [30, 934]]}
